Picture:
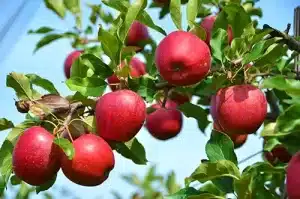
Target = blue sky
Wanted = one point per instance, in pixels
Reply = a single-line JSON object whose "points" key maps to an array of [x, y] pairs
{"points": [[181, 154]]}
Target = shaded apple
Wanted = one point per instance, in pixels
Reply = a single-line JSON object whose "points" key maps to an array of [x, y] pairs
{"points": [[180, 98], [164, 123], [292, 177], [137, 34], [207, 24], [36, 159], [237, 139], [92, 162], [120, 115], [278, 154], [137, 69], [69, 61], [240, 109], [182, 58]]}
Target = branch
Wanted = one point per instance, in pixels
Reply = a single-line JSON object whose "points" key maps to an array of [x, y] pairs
{"points": [[162, 85], [73, 108], [291, 42], [249, 157]]}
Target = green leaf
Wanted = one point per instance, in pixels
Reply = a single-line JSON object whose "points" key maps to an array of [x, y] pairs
{"points": [[89, 86], [220, 147], [5, 124], [214, 170], [290, 86], [5, 164], [211, 188], [132, 150], [47, 40], [98, 66], [15, 132], [43, 83], [14, 180], [132, 13], [73, 5], [144, 86], [21, 84], [272, 54], [171, 184], [218, 43], [56, 6], [192, 11], [194, 111], [46, 185], [184, 193], [269, 129], [199, 31], [119, 5], [175, 11], [90, 123], [41, 30], [206, 196], [109, 43], [255, 53], [66, 146], [288, 122], [146, 19]]}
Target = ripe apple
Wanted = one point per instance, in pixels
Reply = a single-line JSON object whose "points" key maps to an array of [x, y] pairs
{"points": [[240, 109], [120, 115], [208, 23], [182, 58], [278, 154], [292, 177], [164, 123], [92, 162], [69, 61], [237, 139], [137, 69], [180, 98], [170, 104], [36, 159], [137, 33]]}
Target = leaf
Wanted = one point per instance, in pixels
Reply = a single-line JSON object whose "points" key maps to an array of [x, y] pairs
{"points": [[98, 66], [132, 150], [109, 43], [175, 11], [72, 5], [183, 193], [41, 30], [47, 40], [21, 84], [132, 13], [192, 11], [214, 170], [218, 43], [66, 146], [290, 86], [269, 129], [5, 124], [196, 112], [146, 19], [209, 187], [255, 53], [14, 180], [171, 184], [288, 122], [90, 123], [199, 31], [144, 86], [46, 185], [5, 164], [272, 54], [43, 83], [15, 132], [117, 4], [220, 147], [56, 6], [89, 86], [206, 196]]}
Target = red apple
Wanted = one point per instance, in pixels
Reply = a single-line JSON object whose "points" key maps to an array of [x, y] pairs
{"points": [[292, 177], [92, 162], [240, 109], [138, 33], [120, 115], [208, 23], [137, 69], [69, 61], [182, 58], [164, 123], [36, 159], [278, 154], [213, 110], [180, 98], [237, 139]]}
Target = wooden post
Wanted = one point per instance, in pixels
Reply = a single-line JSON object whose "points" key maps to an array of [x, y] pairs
{"points": [[297, 34]]}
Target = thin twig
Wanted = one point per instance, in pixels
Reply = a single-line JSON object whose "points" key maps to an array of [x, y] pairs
{"points": [[166, 93], [249, 157]]}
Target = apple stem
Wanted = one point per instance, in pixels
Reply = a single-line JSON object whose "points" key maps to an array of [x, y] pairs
{"points": [[166, 92]]}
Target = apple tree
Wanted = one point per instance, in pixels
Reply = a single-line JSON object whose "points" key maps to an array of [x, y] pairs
{"points": [[243, 76]]}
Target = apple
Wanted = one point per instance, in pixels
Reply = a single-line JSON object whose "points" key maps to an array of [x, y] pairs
{"points": [[292, 177], [182, 58], [240, 109], [36, 159], [278, 154], [237, 139], [137, 33], [92, 162], [180, 98], [120, 115], [137, 69], [164, 123], [161, 2], [208, 23], [69, 61]]}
